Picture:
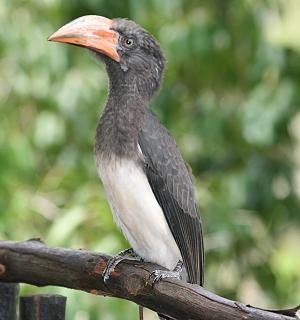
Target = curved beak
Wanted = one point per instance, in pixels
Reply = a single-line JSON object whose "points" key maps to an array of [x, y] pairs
{"points": [[93, 32]]}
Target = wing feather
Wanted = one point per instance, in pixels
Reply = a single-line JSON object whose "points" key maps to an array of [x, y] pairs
{"points": [[172, 186]]}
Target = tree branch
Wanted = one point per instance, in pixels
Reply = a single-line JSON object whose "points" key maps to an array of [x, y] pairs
{"points": [[34, 263]]}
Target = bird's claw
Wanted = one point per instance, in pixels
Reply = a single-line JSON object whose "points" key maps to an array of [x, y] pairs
{"points": [[127, 254], [110, 267], [158, 275], [107, 272]]}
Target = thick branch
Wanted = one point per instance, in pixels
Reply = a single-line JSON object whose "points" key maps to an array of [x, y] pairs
{"points": [[34, 263]]}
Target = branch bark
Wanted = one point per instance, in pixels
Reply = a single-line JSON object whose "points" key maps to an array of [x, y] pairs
{"points": [[35, 263]]}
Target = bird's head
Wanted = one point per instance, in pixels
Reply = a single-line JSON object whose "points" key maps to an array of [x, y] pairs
{"points": [[131, 53]]}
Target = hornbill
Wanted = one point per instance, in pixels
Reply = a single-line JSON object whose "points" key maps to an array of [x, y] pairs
{"points": [[147, 182]]}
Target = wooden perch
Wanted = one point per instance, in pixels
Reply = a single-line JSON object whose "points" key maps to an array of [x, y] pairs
{"points": [[34, 263]]}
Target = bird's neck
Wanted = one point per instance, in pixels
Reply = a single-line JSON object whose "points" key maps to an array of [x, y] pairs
{"points": [[135, 88], [120, 123], [126, 101]]}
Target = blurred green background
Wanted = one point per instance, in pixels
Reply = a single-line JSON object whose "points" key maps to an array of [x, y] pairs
{"points": [[231, 99]]}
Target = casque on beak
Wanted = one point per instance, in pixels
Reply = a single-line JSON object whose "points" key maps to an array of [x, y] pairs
{"points": [[93, 32]]}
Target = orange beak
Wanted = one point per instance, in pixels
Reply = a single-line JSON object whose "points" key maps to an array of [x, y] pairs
{"points": [[93, 32]]}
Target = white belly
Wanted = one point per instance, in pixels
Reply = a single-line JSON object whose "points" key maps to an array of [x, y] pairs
{"points": [[137, 212]]}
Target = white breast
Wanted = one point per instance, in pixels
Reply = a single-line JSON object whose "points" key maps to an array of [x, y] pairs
{"points": [[137, 212]]}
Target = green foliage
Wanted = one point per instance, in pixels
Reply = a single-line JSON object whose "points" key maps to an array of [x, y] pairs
{"points": [[230, 97]]}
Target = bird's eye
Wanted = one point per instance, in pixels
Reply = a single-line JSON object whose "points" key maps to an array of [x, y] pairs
{"points": [[128, 42]]}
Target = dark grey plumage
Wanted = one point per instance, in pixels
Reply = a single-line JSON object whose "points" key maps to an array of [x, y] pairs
{"points": [[172, 186]]}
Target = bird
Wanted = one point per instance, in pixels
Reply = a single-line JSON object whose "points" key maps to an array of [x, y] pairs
{"points": [[148, 184]]}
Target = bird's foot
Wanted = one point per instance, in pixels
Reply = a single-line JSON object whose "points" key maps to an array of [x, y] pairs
{"points": [[158, 275], [127, 254]]}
